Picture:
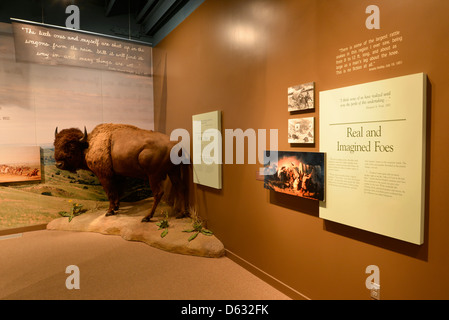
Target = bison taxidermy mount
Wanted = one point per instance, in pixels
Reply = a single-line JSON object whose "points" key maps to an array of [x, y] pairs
{"points": [[115, 151]]}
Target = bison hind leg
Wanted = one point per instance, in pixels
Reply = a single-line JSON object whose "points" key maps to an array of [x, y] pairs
{"points": [[157, 199]]}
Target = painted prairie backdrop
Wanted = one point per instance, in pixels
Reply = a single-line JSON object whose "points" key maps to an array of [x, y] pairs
{"points": [[34, 100]]}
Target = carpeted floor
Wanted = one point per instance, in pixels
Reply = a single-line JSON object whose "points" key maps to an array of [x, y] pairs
{"points": [[33, 266]]}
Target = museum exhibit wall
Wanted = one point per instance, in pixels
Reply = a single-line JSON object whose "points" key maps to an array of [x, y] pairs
{"points": [[240, 57], [37, 98]]}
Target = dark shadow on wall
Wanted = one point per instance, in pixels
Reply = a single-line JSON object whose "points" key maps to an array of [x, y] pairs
{"points": [[302, 205]]}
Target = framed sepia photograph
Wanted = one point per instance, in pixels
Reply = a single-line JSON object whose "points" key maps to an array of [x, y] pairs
{"points": [[299, 174], [301, 97], [301, 130]]}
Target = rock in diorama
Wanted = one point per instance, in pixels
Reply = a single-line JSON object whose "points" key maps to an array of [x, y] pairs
{"points": [[115, 151]]}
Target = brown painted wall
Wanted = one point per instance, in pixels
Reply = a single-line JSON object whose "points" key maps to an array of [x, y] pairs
{"points": [[240, 57]]}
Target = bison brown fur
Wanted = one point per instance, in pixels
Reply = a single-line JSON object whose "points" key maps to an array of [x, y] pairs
{"points": [[114, 151]]}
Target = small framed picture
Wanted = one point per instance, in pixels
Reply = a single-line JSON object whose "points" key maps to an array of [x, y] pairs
{"points": [[301, 130], [301, 97]]}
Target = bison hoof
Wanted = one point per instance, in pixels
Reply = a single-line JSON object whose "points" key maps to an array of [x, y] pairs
{"points": [[146, 219], [183, 215], [110, 213]]}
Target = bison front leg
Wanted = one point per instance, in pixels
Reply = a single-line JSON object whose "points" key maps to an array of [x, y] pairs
{"points": [[112, 191], [114, 205]]}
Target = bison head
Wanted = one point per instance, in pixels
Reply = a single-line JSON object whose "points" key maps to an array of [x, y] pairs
{"points": [[69, 149]]}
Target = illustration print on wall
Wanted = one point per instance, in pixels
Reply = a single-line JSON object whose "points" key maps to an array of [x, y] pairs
{"points": [[296, 173], [301, 130], [20, 164], [301, 97]]}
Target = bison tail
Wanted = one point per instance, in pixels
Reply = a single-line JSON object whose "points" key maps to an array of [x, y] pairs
{"points": [[185, 181]]}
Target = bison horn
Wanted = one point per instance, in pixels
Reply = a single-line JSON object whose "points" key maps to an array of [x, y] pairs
{"points": [[84, 138], [56, 131]]}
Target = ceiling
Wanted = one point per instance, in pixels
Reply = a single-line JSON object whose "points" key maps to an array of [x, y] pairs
{"points": [[153, 16], [144, 20]]}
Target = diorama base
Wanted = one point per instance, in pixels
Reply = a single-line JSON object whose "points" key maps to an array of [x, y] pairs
{"points": [[127, 223]]}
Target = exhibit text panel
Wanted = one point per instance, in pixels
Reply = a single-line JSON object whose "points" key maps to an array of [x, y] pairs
{"points": [[374, 135], [207, 149]]}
